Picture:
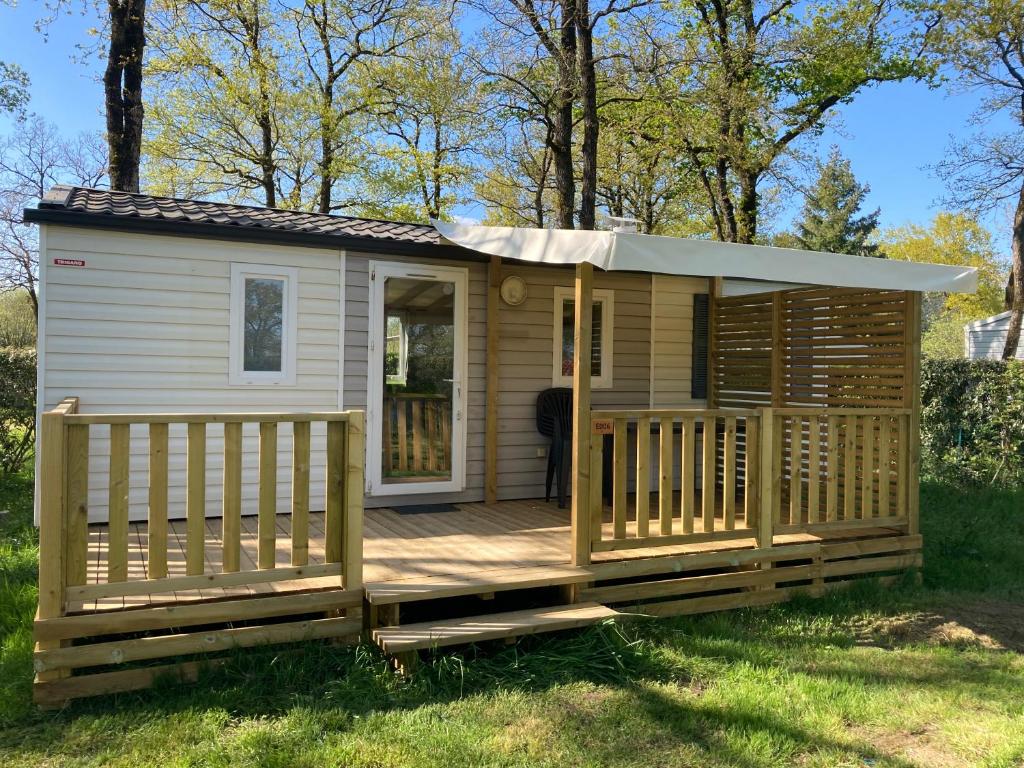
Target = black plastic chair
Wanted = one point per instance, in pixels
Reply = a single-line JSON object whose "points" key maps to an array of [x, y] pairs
{"points": [[554, 420]]}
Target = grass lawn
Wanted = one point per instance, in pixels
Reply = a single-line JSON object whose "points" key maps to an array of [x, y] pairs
{"points": [[906, 676]]}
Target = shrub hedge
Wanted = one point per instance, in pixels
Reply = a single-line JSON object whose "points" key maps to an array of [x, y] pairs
{"points": [[972, 421], [17, 407]]}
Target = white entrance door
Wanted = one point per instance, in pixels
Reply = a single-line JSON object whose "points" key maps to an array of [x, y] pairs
{"points": [[416, 425]]}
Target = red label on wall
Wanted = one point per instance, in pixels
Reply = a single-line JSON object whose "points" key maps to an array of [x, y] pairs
{"points": [[69, 262]]}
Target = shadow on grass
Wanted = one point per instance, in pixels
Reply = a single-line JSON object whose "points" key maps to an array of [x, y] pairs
{"points": [[965, 535]]}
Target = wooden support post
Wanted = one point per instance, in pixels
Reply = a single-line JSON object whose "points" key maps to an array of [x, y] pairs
{"points": [[596, 487], [581, 427], [231, 522], [195, 500], [352, 505], [752, 471], [493, 382], [777, 351], [769, 481], [912, 400], [300, 493], [643, 476], [76, 551], [333, 504], [157, 532], [620, 499], [714, 292], [117, 504], [52, 527], [665, 460], [708, 473], [267, 520]]}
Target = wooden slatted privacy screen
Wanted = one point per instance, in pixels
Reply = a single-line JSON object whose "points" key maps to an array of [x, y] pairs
{"points": [[676, 507], [834, 348], [812, 346], [64, 517]]}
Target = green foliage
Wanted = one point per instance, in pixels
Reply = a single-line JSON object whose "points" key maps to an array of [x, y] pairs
{"points": [[829, 220], [17, 320], [13, 87], [17, 407], [972, 421], [956, 239], [943, 337]]}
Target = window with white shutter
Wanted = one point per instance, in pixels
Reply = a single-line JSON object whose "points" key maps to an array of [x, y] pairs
{"points": [[601, 345]]}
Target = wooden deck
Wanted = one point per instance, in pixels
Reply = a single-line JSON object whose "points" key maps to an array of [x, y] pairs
{"points": [[484, 541]]}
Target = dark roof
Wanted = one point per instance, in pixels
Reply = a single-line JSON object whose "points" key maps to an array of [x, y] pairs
{"points": [[83, 206]]}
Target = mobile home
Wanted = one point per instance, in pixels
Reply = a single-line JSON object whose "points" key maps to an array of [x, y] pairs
{"points": [[248, 414]]}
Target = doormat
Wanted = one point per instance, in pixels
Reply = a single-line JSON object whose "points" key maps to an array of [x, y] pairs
{"points": [[424, 509]]}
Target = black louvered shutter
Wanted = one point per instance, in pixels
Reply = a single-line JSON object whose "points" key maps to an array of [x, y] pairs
{"points": [[699, 370]]}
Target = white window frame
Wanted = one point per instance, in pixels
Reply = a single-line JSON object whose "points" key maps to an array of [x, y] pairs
{"points": [[237, 376], [607, 299]]}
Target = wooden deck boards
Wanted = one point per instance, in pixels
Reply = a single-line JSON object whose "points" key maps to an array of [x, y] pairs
{"points": [[472, 540]]}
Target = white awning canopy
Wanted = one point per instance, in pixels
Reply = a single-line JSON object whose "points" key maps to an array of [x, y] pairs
{"points": [[706, 258]]}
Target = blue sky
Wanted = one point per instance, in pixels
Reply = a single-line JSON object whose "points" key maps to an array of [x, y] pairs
{"points": [[892, 133]]}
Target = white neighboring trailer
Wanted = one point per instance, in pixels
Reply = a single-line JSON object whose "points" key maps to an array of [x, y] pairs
{"points": [[985, 339]]}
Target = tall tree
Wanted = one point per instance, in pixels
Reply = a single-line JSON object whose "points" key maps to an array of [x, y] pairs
{"points": [[13, 87], [33, 158], [517, 186], [339, 39], [985, 42], [544, 53], [829, 220], [122, 91], [429, 122], [14, 82], [957, 239], [751, 80], [222, 102], [123, 35]]}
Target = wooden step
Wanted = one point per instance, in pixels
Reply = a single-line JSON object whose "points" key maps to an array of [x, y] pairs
{"points": [[474, 629], [480, 582]]}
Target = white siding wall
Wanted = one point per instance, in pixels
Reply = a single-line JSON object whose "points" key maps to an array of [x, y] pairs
{"points": [[672, 335], [987, 341], [143, 327], [526, 350]]}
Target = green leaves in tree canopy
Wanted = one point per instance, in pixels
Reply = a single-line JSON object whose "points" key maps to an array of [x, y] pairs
{"points": [[829, 220]]}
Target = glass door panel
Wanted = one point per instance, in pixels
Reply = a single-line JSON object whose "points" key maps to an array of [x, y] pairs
{"points": [[419, 383]]}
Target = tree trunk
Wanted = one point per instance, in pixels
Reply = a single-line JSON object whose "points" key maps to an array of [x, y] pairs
{"points": [[588, 104], [326, 178], [1017, 276], [746, 214], [561, 131], [122, 90]]}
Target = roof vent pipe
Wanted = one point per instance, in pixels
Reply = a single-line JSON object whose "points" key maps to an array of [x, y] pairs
{"points": [[625, 225]]}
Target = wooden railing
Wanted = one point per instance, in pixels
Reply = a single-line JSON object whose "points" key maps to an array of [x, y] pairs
{"points": [[687, 473], [688, 476], [841, 467], [64, 483], [417, 434]]}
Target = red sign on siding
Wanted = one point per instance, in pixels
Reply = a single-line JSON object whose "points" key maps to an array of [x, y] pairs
{"points": [[69, 262]]}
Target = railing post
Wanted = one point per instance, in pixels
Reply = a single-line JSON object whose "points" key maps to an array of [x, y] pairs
{"points": [[581, 424], [769, 482], [52, 523], [912, 400], [352, 505]]}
